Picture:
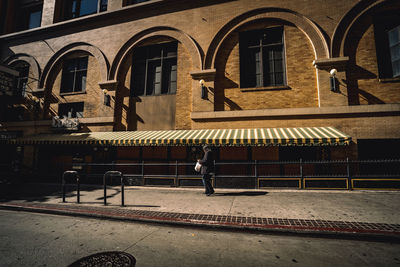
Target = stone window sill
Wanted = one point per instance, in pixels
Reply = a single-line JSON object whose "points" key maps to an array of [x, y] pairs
{"points": [[94, 120], [269, 88], [72, 93], [390, 80]]}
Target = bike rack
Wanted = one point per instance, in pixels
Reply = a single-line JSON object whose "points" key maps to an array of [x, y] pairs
{"points": [[76, 175], [113, 173]]}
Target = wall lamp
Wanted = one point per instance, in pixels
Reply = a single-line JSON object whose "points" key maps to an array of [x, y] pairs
{"points": [[36, 102], [35, 99], [107, 98], [203, 89], [333, 82]]}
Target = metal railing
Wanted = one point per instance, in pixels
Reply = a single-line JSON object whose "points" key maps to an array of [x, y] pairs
{"points": [[108, 174], [339, 174], [329, 174]]}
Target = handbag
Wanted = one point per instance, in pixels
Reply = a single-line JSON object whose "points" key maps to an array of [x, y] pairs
{"points": [[197, 167]]}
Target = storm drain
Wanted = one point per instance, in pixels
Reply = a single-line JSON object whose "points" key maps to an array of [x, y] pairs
{"points": [[107, 259]]}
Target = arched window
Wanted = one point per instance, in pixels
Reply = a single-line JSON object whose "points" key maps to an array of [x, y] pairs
{"points": [[262, 58], [74, 75], [154, 70]]}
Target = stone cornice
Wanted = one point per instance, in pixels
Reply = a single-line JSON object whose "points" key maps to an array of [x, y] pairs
{"points": [[110, 85], [339, 63], [208, 75], [82, 20], [96, 120]]}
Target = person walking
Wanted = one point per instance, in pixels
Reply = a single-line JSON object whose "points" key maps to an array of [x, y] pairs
{"points": [[207, 167]]}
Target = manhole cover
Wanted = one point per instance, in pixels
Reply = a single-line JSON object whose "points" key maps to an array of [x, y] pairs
{"points": [[106, 259]]}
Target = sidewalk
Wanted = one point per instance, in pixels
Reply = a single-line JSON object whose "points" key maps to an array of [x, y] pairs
{"points": [[365, 213]]}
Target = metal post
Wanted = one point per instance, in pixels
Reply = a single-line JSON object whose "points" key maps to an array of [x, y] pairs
{"points": [[63, 187], [112, 168], [78, 193], [75, 173], [105, 189], [122, 192], [255, 174], [301, 174], [215, 176], [348, 173], [176, 174], [143, 172]]}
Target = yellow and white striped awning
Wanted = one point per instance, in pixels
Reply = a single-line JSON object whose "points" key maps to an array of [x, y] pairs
{"points": [[218, 137]]}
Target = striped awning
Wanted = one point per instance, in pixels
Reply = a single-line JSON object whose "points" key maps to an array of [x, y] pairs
{"points": [[218, 137]]}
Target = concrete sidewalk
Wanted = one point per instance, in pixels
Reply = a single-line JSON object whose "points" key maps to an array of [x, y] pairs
{"points": [[329, 212]]}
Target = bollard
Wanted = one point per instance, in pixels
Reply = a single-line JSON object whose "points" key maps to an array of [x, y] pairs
{"points": [[75, 173]]}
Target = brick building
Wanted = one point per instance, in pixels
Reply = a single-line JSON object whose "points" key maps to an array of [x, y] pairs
{"points": [[157, 67]]}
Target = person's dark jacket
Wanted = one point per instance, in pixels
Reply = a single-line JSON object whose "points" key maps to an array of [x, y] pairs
{"points": [[207, 163]]}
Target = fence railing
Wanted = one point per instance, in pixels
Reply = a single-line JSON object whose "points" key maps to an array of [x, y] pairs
{"points": [[333, 174]]}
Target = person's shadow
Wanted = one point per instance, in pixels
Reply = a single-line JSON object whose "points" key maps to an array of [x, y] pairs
{"points": [[244, 193]]}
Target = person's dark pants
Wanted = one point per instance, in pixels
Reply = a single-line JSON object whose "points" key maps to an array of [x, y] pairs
{"points": [[207, 184]]}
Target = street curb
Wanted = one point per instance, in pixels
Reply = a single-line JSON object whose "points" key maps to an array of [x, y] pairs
{"points": [[123, 215]]}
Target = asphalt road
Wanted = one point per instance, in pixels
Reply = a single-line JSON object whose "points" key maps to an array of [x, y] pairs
{"points": [[31, 239]]}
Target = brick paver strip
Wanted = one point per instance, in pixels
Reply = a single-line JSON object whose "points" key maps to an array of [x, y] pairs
{"points": [[282, 224]]}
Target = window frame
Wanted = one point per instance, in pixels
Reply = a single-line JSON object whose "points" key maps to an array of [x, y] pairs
{"points": [[65, 72], [248, 70], [68, 13], [146, 62], [382, 23], [397, 47], [23, 15], [133, 2]]}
